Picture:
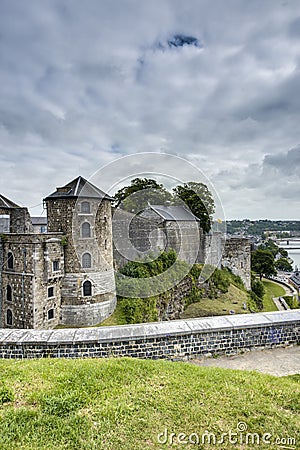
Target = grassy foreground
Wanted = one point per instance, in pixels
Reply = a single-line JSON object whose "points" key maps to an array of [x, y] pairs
{"points": [[118, 404]]}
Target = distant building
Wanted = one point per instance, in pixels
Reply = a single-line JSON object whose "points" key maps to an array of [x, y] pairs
{"points": [[295, 280], [39, 224]]}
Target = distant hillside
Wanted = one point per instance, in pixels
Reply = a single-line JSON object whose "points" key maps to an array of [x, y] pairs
{"points": [[258, 227]]}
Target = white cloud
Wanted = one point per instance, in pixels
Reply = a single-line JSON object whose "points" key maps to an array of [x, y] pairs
{"points": [[82, 83]]}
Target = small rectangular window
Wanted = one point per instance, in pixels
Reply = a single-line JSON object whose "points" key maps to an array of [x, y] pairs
{"points": [[86, 207], [55, 266], [4, 223], [10, 260], [51, 314], [51, 291]]}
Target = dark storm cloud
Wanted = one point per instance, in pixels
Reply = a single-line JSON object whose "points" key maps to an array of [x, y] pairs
{"points": [[82, 82]]}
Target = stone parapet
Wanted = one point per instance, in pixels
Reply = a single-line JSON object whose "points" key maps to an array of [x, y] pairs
{"points": [[175, 340]]}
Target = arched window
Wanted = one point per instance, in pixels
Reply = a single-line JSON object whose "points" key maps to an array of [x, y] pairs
{"points": [[87, 288], [10, 260], [50, 314], [9, 293], [9, 317], [86, 261], [86, 230], [85, 207]]}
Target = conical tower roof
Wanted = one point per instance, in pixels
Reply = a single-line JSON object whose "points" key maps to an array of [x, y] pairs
{"points": [[79, 187]]}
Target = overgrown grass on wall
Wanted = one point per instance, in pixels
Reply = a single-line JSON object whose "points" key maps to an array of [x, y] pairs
{"points": [[135, 309]]}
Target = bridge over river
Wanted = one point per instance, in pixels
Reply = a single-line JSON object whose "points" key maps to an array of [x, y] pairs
{"points": [[289, 243]]}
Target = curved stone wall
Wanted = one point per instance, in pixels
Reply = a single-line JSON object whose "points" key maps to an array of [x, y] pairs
{"points": [[176, 340]]}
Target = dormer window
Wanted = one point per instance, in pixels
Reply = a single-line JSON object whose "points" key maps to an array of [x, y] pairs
{"points": [[85, 208]]}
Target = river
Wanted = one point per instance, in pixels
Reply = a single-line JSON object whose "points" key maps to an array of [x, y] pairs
{"points": [[292, 246], [295, 255]]}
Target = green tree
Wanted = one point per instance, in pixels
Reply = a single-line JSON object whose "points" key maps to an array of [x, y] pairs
{"points": [[271, 246], [262, 263], [258, 288], [283, 264], [200, 201], [135, 197], [283, 252]]}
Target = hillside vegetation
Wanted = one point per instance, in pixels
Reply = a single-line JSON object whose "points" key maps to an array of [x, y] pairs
{"points": [[123, 404], [222, 293]]}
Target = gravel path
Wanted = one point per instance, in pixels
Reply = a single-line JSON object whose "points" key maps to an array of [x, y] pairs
{"points": [[279, 361]]}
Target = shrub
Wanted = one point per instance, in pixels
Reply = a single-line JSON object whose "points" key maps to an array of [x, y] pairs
{"points": [[258, 288]]}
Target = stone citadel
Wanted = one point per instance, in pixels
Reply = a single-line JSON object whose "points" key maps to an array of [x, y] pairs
{"points": [[65, 274]]}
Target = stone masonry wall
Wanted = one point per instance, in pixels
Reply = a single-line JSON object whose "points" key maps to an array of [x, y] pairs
{"points": [[134, 236], [237, 257], [175, 340], [69, 216], [29, 279], [20, 221], [60, 219]]}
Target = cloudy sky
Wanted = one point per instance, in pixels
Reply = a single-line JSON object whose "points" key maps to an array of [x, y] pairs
{"points": [[215, 82]]}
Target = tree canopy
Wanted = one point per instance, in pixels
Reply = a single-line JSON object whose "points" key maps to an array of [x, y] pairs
{"points": [[200, 201], [141, 191], [283, 264], [262, 263], [135, 197]]}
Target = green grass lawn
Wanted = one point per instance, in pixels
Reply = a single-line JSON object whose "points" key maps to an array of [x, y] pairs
{"points": [[117, 318], [123, 404], [231, 300], [272, 290]]}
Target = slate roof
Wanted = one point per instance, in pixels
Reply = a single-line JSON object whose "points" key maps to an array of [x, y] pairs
{"points": [[79, 187], [6, 203], [295, 278], [176, 213]]}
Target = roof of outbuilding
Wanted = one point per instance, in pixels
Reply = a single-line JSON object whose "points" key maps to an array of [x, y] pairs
{"points": [[79, 187], [39, 220], [176, 213], [6, 203]]}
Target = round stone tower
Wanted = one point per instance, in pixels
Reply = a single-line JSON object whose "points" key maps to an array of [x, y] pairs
{"points": [[83, 213]]}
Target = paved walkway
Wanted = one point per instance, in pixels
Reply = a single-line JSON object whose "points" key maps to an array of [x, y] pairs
{"points": [[278, 361], [280, 303]]}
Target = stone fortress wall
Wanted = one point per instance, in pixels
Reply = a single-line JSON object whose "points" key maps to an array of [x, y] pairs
{"points": [[135, 235], [61, 277], [45, 287], [30, 285]]}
